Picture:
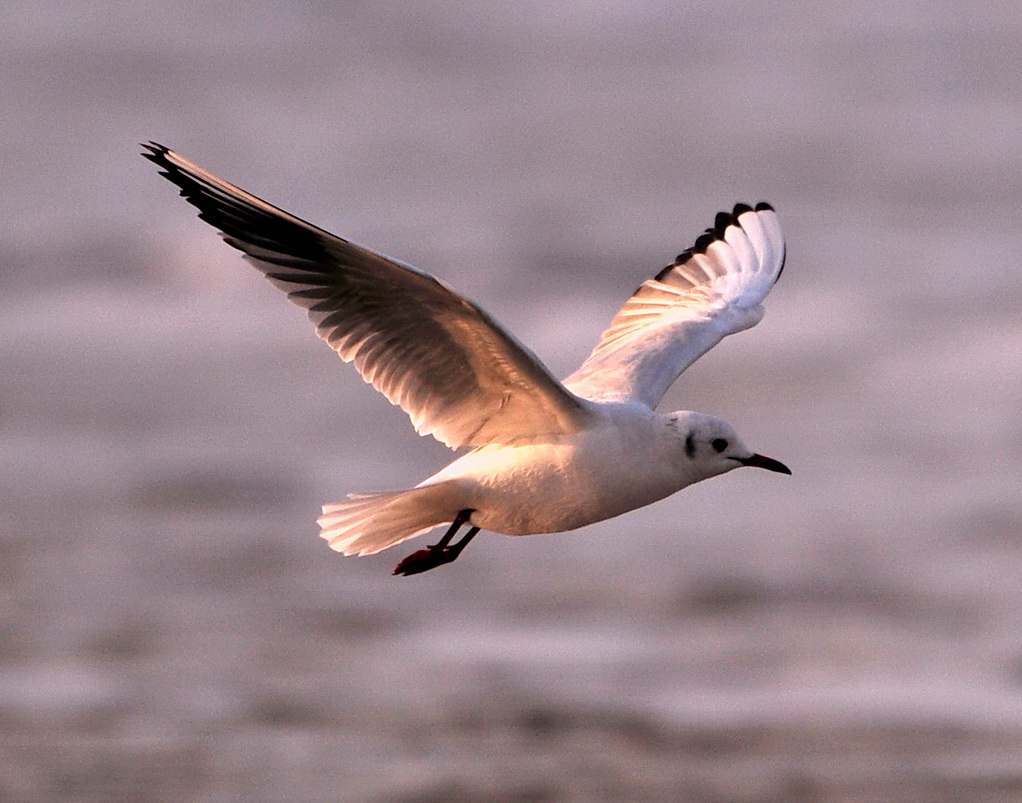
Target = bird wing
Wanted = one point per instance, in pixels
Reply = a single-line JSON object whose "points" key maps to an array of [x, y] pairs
{"points": [[712, 290], [443, 360]]}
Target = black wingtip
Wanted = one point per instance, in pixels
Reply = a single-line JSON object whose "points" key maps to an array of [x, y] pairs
{"points": [[160, 156], [714, 233], [784, 260], [704, 241], [157, 154], [721, 222], [154, 151]]}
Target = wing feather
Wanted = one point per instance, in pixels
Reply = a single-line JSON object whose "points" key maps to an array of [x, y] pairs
{"points": [[712, 290], [456, 372]]}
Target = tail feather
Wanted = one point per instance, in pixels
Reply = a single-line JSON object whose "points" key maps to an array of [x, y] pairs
{"points": [[369, 523]]}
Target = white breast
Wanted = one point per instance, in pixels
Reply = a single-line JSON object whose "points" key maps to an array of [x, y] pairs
{"points": [[576, 480]]}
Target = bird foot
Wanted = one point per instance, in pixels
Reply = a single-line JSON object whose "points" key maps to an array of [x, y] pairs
{"points": [[425, 559]]}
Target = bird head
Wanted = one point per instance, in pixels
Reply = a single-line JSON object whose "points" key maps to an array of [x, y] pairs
{"points": [[712, 446]]}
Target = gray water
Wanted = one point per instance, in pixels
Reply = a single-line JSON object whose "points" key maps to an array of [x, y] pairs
{"points": [[172, 627]]}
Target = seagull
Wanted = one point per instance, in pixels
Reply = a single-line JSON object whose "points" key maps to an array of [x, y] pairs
{"points": [[542, 456]]}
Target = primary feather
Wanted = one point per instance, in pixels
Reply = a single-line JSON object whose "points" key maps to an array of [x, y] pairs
{"points": [[712, 290], [443, 360]]}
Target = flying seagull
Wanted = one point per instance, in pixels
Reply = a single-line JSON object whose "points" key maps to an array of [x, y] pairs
{"points": [[543, 456]]}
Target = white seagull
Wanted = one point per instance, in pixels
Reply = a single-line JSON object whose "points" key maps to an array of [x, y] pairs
{"points": [[543, 456]]}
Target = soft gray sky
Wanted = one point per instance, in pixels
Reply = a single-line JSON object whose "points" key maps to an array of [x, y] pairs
{"points": [[169, 424]]}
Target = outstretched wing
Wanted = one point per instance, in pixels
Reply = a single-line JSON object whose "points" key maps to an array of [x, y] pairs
{"points": [[445, 362], [712, 290]]}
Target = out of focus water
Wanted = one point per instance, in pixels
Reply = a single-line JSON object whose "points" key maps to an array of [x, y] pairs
{"points": [[174, 630]]}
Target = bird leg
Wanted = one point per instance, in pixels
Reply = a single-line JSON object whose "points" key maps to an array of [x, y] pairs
{"points": [[439, 553]]}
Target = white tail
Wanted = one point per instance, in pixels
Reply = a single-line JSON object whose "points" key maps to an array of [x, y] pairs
{"points": [[369, 523]]}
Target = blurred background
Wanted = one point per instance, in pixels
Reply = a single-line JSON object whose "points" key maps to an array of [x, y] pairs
{"points": [[173, 628]]}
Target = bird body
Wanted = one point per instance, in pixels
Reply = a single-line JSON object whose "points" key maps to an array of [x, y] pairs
{"points": [[631, 459], [543, 456]]}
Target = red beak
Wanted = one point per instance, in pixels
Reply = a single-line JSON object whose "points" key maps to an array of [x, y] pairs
{"points": [[759, 461]]}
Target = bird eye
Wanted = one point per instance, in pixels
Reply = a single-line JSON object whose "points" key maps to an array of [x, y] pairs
{"points": [[718, 444]]}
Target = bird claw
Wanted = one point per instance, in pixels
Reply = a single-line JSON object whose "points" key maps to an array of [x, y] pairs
{"points": [[422, 561], [443, 551]]}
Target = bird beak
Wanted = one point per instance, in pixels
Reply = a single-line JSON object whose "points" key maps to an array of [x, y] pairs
{"points": [[759, 461]]}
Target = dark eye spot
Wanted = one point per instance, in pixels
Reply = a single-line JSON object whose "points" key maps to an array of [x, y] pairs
{"points": [[690, 446], [718, 444]]}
